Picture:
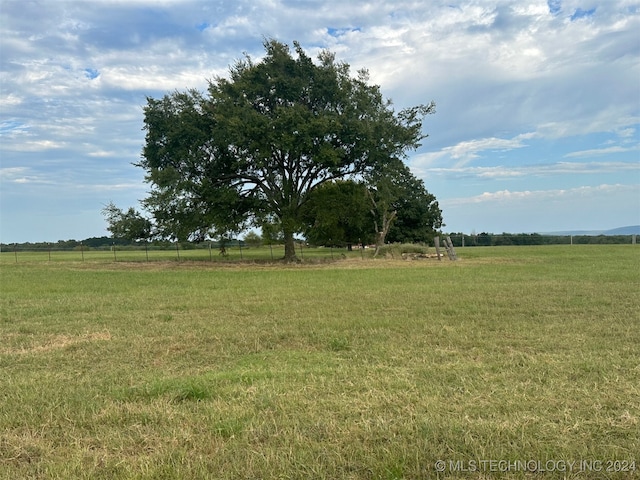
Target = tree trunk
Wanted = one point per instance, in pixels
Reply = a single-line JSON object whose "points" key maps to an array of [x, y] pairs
{"points": [[382, 234], [289, 246], [379, 242]]}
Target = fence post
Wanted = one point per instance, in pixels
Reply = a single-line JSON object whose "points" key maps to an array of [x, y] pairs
{"points": [[446, 247], [450, 250], [177, 250], [436, 242], [82, 250], [633, 239], [113, 248]]}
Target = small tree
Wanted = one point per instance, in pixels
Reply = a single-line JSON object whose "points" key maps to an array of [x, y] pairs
{"points": [[129, 225], [391, 204], [396, 194], [252, 239], [419, 216]]}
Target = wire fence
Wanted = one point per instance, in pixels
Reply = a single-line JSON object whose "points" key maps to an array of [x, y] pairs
{"points": [[239, 251], [105, 249], [492, 240], [175, 252]]}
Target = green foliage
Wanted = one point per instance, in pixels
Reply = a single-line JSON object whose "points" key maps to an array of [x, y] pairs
{"points": [[390, 198], [252, 239], [271, 231], [419, 216], [259, 143], [129, 225], [403, 210], [338, 214]]}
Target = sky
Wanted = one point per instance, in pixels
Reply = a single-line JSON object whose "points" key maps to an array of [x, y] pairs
{"points": [[537, 102]]}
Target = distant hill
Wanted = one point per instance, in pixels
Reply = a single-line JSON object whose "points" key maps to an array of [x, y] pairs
{"points": [[630, 230]]}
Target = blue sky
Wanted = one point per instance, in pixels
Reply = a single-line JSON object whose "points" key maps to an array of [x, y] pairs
{"points": [[538, 102]]}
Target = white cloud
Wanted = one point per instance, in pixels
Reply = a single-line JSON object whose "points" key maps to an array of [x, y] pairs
{"points": [[627, 133], [21, 175], [528, 171], [10, 100], [468, 150], [9, 173], [152, 78], [108, 187], [607, 120], [507, 196], [602, 151], [102, 153], [33, 146]]}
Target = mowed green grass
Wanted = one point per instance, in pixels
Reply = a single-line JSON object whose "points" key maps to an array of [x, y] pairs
{"points": [[357, 369]]}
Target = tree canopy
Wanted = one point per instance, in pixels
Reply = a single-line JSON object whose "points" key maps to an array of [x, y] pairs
{"points": [[388, 205], [258, 143], [129, 225], [338, 214], [402, 209]]}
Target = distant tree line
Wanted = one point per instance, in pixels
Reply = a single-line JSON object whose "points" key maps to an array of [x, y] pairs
{"points": [[490, 239], [107, 243], [93, 242]]}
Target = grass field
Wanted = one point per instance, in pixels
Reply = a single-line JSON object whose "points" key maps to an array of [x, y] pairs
{"points": [[510, 360], [166, 253]]}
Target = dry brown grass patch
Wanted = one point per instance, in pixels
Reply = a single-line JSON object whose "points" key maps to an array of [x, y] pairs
{"points": [[47, 343]]}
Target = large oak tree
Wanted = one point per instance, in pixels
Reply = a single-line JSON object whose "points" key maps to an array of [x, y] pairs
{"points": [[259, 142]]}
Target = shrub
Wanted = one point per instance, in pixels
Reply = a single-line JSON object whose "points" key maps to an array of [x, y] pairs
{"points": [[397, 249]]}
